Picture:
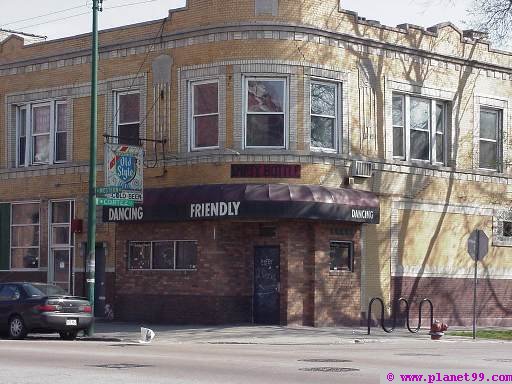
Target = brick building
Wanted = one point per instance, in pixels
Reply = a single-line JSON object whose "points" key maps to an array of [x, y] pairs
{"points": [[306, 160]]}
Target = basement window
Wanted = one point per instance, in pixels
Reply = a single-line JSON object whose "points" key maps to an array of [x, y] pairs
{"points": [[341, 256], [163, 255]]}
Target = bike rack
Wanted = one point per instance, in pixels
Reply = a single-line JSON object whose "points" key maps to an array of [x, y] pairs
{"points": [[399, 301]]}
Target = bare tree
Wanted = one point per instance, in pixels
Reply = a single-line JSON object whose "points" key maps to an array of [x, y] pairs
{"points": [[493, 17]]}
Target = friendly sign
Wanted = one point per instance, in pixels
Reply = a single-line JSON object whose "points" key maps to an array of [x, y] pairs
{"points": [[123, 172]]}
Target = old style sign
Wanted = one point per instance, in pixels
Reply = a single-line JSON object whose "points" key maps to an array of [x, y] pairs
{"points": [[124, 172]]}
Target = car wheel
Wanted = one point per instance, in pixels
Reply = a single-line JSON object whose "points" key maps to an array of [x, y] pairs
{"points": [[68, 335], [17, 329]]}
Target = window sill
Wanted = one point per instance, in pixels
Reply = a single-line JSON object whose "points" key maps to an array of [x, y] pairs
{"points": [[336, 272], [317, 150]]}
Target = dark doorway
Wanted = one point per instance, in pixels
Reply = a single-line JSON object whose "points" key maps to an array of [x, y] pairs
{"points": [[266, 285], [100, 289]]}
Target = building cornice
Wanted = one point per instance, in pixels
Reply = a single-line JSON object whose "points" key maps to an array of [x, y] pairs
{"points": [[255, 31]]}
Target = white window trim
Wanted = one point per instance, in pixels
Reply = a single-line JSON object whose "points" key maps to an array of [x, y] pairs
{"points": [[29, 132], [151, 242], [61, 247], [406, 97], [31, 247], [191, 125], [435, 132], [285, 112], [337, 135], [49, 134], [499, 139], [116, 109], [57, 103]]}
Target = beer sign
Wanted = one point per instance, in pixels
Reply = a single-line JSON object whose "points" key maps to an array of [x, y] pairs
{"points": [[124, 172]]}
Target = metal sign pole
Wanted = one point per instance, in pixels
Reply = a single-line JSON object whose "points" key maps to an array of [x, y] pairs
{"points": [[475, 282]]}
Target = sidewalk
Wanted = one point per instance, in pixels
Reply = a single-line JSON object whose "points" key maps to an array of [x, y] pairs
{"points": [[254, 334]]}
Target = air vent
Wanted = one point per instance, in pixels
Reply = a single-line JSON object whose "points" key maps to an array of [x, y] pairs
{"points": [[362, 169]]}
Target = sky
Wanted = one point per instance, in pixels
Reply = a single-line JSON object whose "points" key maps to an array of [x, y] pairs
{"points": [[61, 18]]}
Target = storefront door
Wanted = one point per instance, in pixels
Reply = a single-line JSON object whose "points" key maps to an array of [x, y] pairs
{"points": [[61, 261], [266, 285]]}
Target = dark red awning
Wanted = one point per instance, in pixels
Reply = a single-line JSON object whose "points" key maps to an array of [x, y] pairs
{"points": [[293, 201]]}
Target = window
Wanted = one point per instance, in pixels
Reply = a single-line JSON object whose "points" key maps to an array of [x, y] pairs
{"points": [[419, 128], [128, 118], [42, 133], [507, 229], [490, 139], [9, 293], [163, 255], [25, 236], [341, 256], [61, 242], [205, 115], [265, 113], [324, 113], [61, 132]]}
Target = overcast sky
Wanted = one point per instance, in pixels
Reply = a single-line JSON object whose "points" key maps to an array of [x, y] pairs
{"points": [[72, 17]]}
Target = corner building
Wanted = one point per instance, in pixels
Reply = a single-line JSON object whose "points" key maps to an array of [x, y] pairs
{"points": [[299, 160]]}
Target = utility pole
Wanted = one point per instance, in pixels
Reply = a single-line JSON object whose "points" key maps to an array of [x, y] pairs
{"points": [[91, 227]]}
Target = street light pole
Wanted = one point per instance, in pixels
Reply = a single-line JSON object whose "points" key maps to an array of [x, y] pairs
{"points": [[91, 217]]}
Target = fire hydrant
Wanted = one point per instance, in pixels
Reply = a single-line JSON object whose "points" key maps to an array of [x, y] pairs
{"points": [[437, 330]]}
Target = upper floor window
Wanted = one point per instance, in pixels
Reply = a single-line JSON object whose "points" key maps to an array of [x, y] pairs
{"points": [[204, 130], [419, 129], [491, 133], [42, 133], [127, 124], [266, 105], [324, 115]]}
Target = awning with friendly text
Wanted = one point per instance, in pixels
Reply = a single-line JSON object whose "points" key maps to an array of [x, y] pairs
{"points": [[250, 201]]}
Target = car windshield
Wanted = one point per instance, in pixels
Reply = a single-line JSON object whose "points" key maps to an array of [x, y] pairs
{"points": [[35, 290]]}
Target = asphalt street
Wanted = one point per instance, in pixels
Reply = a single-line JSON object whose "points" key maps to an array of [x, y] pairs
{"points": [[41, 360]]}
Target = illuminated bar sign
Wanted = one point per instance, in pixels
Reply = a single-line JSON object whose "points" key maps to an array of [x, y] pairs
{"points": [[266, 171]]}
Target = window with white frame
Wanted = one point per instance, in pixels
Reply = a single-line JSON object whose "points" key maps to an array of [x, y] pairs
{"points": [[42, 133], [419, 128], [25, 236], [490, 140], [61, 242], [266, 104], [163, 255], [324, 115], [127, 117], [204, 122]]}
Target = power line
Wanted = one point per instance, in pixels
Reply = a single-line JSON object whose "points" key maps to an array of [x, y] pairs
{"points": [[129, 4], [46, 14], [55, 20], [72, 16]]}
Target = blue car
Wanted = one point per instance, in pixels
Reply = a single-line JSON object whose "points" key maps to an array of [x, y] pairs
{"points": [[42, 308]]}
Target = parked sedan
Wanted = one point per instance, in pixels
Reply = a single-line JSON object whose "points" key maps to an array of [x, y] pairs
{"points": [[42, 308]]}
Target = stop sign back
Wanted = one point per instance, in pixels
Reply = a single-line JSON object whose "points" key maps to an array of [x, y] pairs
{"points": [[478, 244]]}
